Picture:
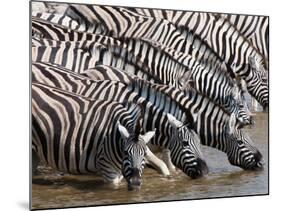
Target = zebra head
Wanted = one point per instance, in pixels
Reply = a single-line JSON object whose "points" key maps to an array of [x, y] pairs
{"points": [[134, 151], [257, 82], [238, 104], [185, 149], [257, 64], [240, 149]]}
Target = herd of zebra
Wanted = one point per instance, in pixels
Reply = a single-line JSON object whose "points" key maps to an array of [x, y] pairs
{"points": [[111, 84]]}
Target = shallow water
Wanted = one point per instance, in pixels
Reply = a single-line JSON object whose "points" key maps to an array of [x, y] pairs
{"points": [[51, 190]]}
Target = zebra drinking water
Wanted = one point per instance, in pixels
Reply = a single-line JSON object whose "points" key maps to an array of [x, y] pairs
{"points": [[182, 142], [212, 124], [79, 135]]}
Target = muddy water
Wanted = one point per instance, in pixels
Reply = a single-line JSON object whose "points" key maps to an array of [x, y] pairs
{"points": [[51, 190]]}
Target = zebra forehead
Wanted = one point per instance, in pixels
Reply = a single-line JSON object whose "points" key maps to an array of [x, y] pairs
{"points": [[135, 140], [135, 147]]}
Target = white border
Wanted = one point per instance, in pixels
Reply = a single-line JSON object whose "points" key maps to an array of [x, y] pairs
{"points": [[14, 116]]}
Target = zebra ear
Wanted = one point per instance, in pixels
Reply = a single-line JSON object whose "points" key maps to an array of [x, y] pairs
{"points": [[243, 85], [92, 74], [195, 117], [231, 123], [190, 120], [173, 121], [148, 136], [186, 81], [253, 62], [123, 131], [235, 92]]}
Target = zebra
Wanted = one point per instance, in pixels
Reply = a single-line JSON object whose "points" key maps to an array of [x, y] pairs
{"points": [[242, 59], [209, 80], [105, 72], [59, 19], [254, 28], [214, 126], [77, 12], [79, 135], [53, 31], [159, 67], [211, 124], [123, 23], [48, 7], [68, 22], [167, 131], [205, 25], [248, 65]]}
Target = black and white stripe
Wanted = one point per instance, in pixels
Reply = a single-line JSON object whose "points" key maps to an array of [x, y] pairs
{"points": [[215, 127], [228, 41], [144, 60], [167, 134], [79, 135], [254, 28], [212, 124]]}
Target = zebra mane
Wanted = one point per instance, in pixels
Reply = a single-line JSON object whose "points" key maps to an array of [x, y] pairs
{"points": [[189, 121], [170, 94], [136, 111], [213, 66], [126, 55], [254, 52], [73, 12], [151, 44], [158, 90], [196, 40]]}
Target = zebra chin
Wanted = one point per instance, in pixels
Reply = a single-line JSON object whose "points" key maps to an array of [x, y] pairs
{"points": [[255, 164], [198, 170], [258, 163], [134, 180]]}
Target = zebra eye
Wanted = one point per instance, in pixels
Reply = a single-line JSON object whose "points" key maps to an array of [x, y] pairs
{"points": [[126, 153], [240, 142], [180, 135], [185, 143]]}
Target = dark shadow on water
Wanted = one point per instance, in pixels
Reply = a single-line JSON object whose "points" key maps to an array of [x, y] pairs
{"points": [[85, 185], [24, 205]]}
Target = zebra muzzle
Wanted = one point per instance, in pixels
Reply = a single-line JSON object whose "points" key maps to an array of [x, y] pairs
{"points": [[135, 181], [199, 170]]}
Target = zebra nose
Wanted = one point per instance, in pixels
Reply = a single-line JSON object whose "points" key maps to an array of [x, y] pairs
{"points": [[202, 165], [257, 156], [135, 180], [265, 108], [200, 169], [252, 121], [259, 161]]}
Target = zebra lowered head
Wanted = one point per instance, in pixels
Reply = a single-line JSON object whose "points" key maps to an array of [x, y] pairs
{"points": [[134, 152], [185, 149], [256, 78], [238, 105], [240, 149]]}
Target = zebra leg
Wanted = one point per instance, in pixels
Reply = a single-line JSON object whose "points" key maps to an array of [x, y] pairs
{"points": [[113, 179], [35, 162], [109, 173], [166, 156], [157, 163]]}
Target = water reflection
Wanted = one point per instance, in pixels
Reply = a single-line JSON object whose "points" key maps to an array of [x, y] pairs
{"points": [[50, 189]]}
